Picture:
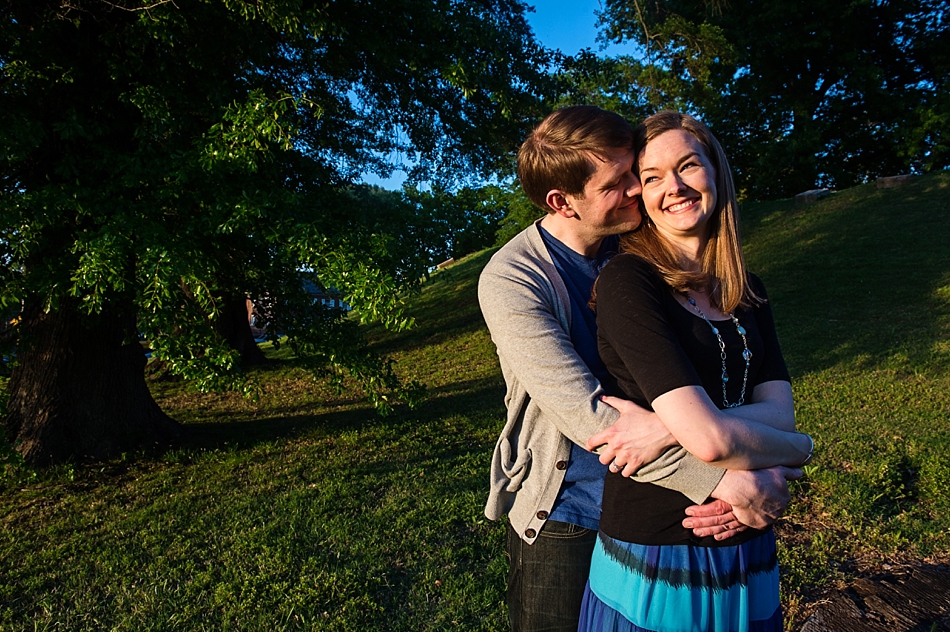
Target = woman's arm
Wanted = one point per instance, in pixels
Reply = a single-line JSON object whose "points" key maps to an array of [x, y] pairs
{"points": [[771, 404], [734, 438], [642, 348]]}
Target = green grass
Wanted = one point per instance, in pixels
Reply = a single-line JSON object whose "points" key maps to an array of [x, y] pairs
{"points": [[860, 286], [305, 510]]}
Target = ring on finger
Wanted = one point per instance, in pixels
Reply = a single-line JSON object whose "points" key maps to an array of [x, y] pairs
{"points": [[614, 467]]}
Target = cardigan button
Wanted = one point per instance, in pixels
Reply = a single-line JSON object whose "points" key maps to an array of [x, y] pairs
{"points": [[561, 465], [530, 533], [542, 515]]}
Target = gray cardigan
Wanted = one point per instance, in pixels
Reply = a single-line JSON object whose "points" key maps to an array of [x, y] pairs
{"points": [[552, 397]]}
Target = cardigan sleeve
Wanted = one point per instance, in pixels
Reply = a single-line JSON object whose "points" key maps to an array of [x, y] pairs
{"points": [[521, 310]]}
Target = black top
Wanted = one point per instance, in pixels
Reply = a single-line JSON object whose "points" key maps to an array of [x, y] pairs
{"points": [[651, 345]]}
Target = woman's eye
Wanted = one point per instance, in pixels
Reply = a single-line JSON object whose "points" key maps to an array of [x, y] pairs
{"points": [[650, 179]]}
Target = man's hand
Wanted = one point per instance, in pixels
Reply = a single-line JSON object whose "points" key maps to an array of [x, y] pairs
{"points": [[636, 438], [758, 498], [715, 518]]}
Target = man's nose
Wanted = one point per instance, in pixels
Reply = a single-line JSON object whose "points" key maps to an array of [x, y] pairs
{"points": [[634, 187]]}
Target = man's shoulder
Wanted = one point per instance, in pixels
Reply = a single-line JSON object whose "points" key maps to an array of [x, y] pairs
{"points": [[524, 249], [521, 270]]}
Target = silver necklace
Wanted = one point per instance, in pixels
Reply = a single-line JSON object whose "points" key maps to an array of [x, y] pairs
{"points": [[746, 354]]}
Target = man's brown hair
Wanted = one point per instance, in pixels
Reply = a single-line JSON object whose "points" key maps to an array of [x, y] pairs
{"points": [[558, 153]]}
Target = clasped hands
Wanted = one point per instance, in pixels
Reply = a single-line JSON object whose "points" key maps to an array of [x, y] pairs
{"points": [[742, 499]]}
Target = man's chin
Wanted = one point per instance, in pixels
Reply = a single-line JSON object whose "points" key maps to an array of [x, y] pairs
{"points": [[631, 224]]}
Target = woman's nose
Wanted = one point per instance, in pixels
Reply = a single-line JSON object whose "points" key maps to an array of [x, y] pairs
{"points": [[676, 185]]}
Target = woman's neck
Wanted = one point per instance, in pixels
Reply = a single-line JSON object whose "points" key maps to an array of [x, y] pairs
{"points": [[689, 251]]}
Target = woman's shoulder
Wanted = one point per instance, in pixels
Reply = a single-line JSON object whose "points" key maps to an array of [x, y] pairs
{"points": [[628, 263], [756, 285], [627, 274]]}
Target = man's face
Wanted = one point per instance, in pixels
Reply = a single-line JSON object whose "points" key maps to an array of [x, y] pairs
{"points": [[611, 201]]}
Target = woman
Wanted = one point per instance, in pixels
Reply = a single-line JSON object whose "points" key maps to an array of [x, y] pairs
{"points": [[685, 330]]}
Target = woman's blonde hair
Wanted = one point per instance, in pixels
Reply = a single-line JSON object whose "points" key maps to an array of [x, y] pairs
{"points": [[722, 274]]}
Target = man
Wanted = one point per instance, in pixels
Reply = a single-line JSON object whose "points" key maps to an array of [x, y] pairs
{"points": [[578, 166]]}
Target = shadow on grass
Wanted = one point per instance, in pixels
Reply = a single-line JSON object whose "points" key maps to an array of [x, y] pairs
{"points": [[248, 433], [857, 277], [460, 398]]}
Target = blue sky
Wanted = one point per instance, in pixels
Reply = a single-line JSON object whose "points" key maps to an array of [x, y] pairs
{"points": [[570, 25], [567, 25]]}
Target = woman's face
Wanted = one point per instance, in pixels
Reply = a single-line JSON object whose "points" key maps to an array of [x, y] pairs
{"points": [[679, 185]]}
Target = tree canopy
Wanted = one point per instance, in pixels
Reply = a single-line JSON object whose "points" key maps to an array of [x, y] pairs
{"points": [[801, 93], [162, 159]]}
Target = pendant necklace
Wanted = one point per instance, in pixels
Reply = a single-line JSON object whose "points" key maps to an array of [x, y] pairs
{"points": [[746, 354]]}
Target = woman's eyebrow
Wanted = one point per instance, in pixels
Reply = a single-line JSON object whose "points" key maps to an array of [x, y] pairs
{"points": [[683, 159]]}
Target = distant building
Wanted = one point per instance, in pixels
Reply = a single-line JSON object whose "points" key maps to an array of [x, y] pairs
{"points": [[327, 297]]}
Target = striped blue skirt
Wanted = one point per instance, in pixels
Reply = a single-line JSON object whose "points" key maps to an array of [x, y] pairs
{"points": [[682, 588]]}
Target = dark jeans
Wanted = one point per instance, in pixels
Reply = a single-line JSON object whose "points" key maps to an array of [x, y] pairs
{"points": [[546, 579]]}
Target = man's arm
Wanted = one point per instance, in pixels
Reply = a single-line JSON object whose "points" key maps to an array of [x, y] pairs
{"points": [[642, 448], [760, 496], [535, 349], [637, 438]]}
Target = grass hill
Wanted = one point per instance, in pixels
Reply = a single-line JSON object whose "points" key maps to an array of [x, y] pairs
{"points": [[303, 510]]}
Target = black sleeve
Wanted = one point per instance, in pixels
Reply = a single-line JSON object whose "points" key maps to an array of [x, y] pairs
{"points": [[636, 339], [773, 365]]}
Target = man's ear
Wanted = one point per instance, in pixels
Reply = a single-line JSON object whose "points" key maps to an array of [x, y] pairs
{"points": [[558, 202]]}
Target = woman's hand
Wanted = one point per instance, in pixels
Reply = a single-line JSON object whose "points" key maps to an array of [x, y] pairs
{"points": [[756, 498]]}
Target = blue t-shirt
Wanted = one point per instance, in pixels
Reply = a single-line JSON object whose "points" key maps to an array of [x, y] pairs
{"points": [[579, 499]]}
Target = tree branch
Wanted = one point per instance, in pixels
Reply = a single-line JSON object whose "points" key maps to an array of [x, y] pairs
{"points": [[145, 8]]}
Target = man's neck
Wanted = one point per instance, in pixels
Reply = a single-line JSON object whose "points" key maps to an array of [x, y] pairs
{"points": [[568, 232]]}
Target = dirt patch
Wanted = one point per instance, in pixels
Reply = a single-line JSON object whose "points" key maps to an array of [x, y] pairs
{"points": [[908, 599]]}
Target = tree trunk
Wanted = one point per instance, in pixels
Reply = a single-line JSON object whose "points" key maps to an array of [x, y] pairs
{"points": [[235, 327], [78, 390]]}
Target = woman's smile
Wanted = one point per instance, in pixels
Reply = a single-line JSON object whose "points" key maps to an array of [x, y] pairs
{"points": [[681, 206]]}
